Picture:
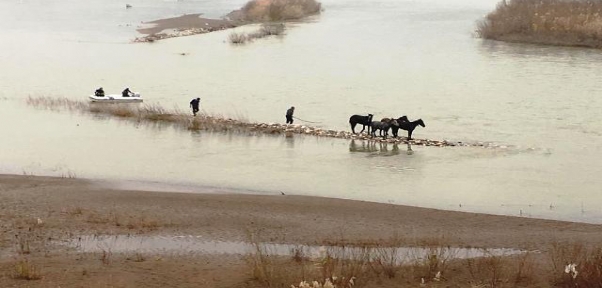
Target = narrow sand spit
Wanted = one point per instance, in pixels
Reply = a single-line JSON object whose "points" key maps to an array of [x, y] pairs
{"points": [[184, 25], [206, 122], [36, 211]]}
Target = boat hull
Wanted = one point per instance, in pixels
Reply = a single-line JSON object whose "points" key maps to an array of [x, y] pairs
{"points": [[113, 98]]}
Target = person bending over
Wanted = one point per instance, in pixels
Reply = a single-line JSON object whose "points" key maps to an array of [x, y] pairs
{"points": [[126, 92]]}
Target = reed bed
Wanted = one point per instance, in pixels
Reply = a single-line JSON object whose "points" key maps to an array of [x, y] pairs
{"points": [[563, 265], [554, 22], [366, 266], [267, 29]]}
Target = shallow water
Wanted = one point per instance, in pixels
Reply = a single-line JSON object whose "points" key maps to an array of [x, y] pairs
{"points": [[188, 245], [390, 58]]}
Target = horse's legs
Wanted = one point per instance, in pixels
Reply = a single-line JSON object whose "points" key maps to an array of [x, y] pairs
{"points": [[410, 134], [363, 128], [352, 127]]}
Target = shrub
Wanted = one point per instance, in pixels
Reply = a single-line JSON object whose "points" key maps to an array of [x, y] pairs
{"points": [[574, 23], [237, 38], [279, 10]]}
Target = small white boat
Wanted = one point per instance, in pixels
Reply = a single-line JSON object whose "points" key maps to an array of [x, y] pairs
{"points": [[117, 98]]}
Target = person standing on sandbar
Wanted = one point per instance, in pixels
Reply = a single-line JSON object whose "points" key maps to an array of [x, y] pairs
{"points": [[289, 115], [194, 104]]}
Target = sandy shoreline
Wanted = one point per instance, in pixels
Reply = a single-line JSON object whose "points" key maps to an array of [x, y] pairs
{"points": [[292, 215], [70, 207]]}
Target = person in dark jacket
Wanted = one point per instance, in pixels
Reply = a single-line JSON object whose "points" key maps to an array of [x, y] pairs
{"points": [[126, 92], [289, 115], [194, 104], [99, 92]]}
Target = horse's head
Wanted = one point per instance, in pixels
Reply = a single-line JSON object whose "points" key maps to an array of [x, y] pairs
{"points": [[420, 122], [370, 117], [403, 118]]}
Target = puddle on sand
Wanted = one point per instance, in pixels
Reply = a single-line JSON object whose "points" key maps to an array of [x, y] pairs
{"points": [[175, 245]]}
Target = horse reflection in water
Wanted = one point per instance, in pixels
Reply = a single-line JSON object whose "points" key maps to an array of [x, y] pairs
{"points": [[383, 149]]}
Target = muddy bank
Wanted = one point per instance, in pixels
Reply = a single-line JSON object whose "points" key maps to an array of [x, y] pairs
{"points": [[86, 207], [254, 11], [36, 212], [184, 25]]}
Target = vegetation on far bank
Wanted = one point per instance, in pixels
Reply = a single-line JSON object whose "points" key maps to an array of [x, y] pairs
{"points": [[271, 13], [553, 22], [279, 10]]}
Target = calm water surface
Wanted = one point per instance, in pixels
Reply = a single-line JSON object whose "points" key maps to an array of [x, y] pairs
{"points": [[390, 58]]}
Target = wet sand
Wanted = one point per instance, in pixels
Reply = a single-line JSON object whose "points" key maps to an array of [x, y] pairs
{"points": [[70, 207]]}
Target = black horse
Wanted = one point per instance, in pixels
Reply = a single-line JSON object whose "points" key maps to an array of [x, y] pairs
{"points": [[395, 128], [359, 119], [410, 126]]}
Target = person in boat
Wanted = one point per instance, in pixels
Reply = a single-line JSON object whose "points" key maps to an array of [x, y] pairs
{"points": [[194, 104], [99, 92], [289, 115], [126, 92]]}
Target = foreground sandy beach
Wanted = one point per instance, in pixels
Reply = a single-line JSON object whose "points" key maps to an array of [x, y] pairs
{"points": [[47, 209]]}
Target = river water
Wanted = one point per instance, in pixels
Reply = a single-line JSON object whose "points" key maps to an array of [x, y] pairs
{"points": [[538, 104]]}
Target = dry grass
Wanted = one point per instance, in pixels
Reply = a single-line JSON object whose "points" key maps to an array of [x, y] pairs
{"points": [[270, 29], [25, 270], [279, 10], [379, 266], [23, 243], [588, 261], [237, 38], [126, 221], [74, 211], [106, 256], [267, 29], [29, 238], [137, 257], [556, 22], [69, 175], [143, 114], [57, 103]]}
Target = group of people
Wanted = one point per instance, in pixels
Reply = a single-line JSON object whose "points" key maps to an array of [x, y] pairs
{"points": [[125, 93]]}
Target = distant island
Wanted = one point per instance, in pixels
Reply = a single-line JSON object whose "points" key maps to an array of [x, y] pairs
{"points": [[551, 22], [255, 11]]}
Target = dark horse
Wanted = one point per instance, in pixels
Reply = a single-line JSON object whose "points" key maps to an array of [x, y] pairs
{"points": [[410, 126], [395, 127], [359, 119], [383, 127]]}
